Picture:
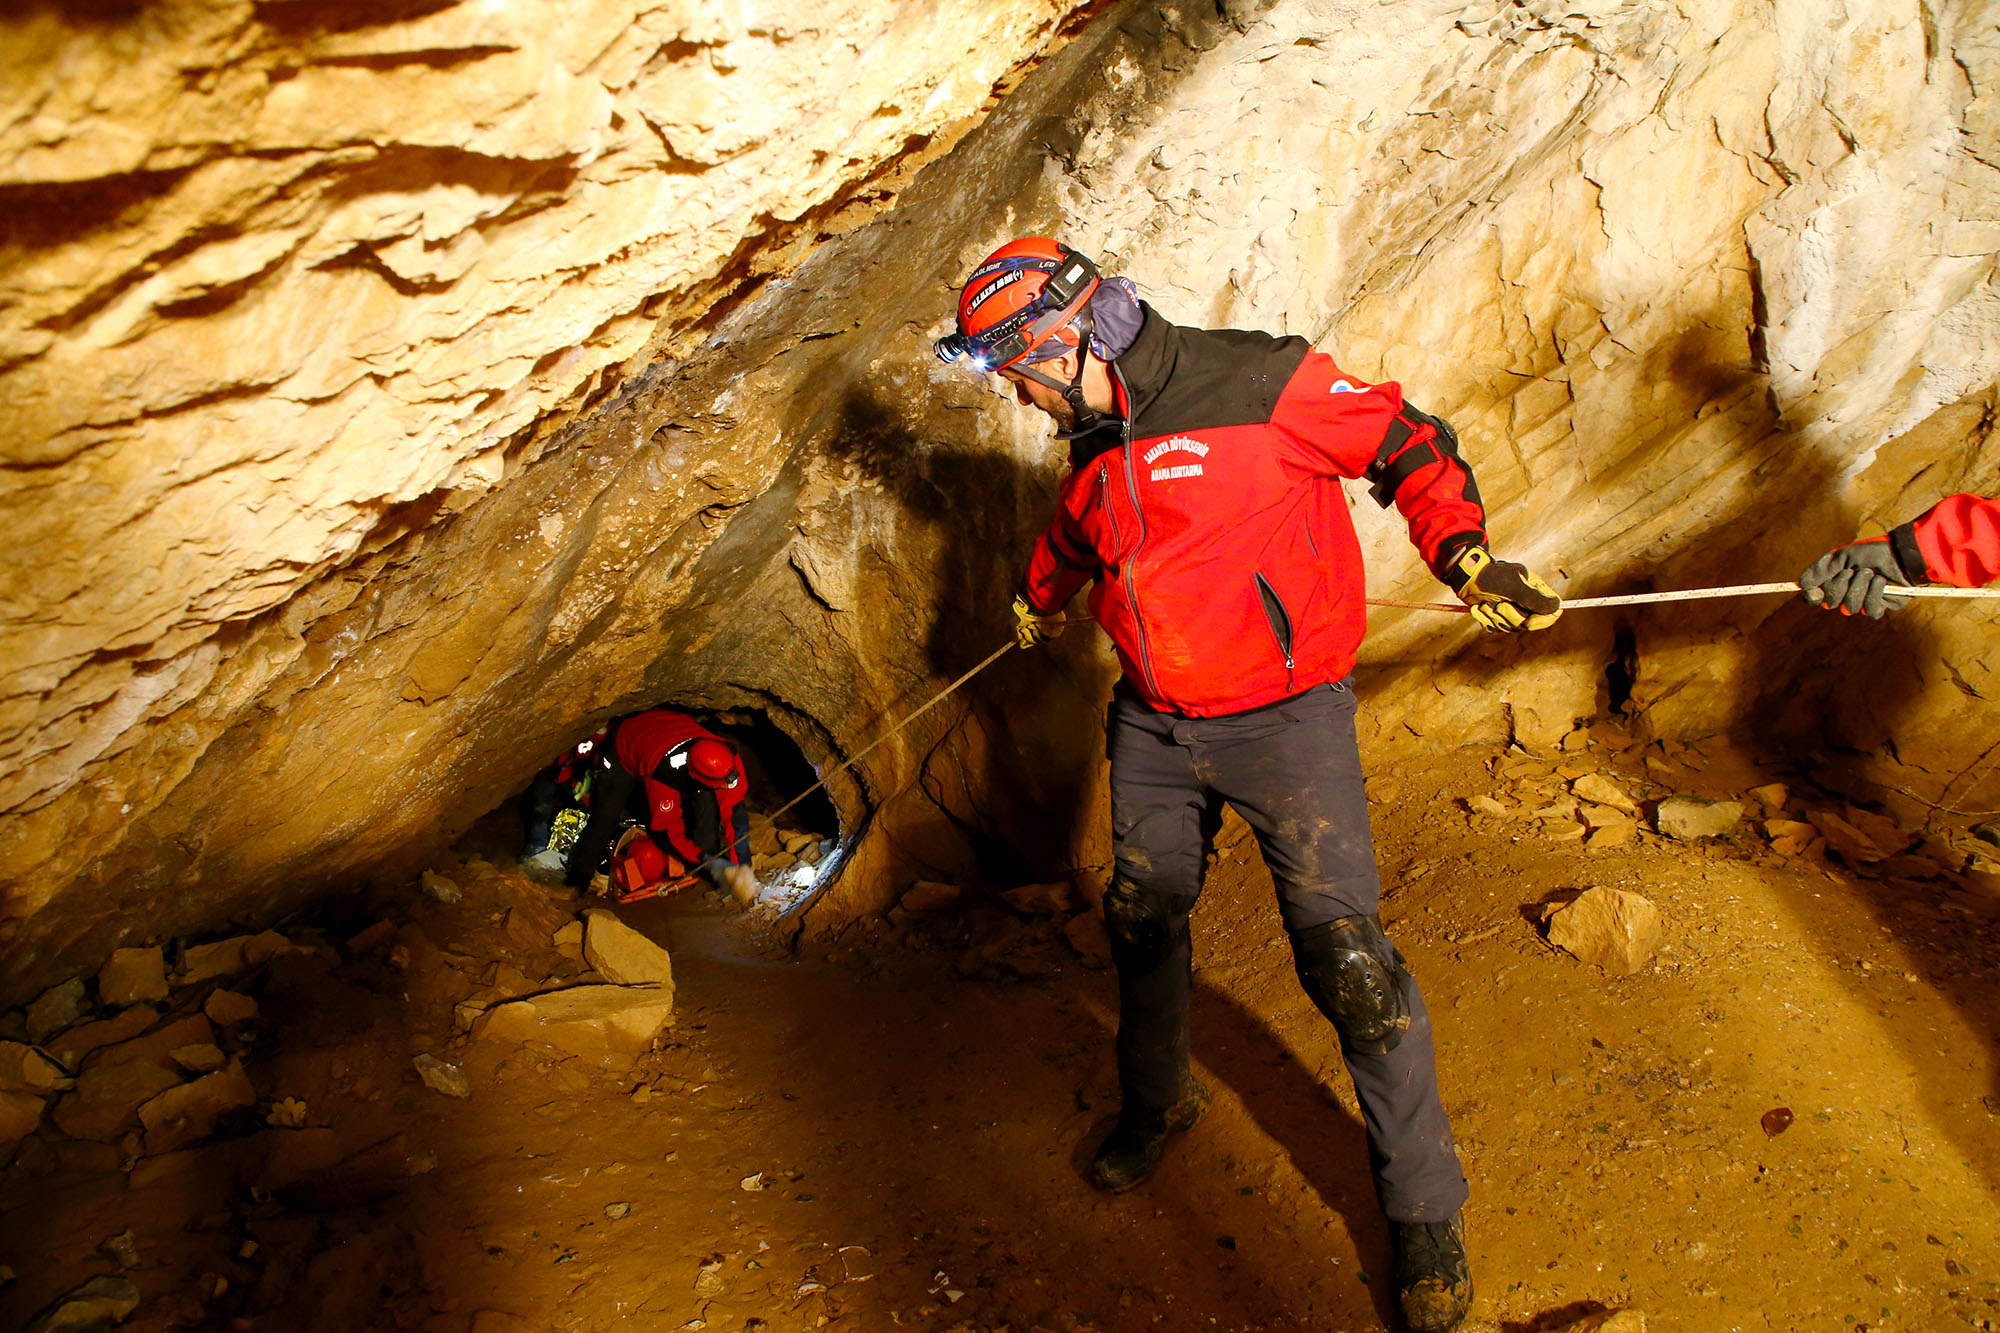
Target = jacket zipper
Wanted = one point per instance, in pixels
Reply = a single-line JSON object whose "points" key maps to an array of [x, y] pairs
{"points": [[1278, 618], [1131, 584], [1104, 493]]}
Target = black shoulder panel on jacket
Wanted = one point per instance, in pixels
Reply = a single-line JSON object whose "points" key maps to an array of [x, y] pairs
{"points": [[1196, 379]]}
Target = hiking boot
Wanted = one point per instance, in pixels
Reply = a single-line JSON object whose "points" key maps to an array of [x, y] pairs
{"points": [[1135, 1145], [1433, 1279]]}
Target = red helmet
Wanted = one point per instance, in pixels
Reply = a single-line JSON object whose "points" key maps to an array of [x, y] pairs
{"points": [[1028, 301], [713, 763]]}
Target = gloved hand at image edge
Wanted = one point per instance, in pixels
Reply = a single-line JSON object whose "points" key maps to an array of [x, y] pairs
{"points": [[1503, 595], [741, 883], [1031, 627], [1857, 579]]}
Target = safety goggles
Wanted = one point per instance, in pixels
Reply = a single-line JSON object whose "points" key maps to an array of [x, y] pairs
{"points": [[1065, 294]]}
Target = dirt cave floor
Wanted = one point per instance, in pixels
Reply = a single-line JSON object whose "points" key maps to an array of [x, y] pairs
{"points": [[890, 1130]]}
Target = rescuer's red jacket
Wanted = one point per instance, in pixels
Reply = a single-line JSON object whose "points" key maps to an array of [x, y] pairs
{"points": [[1228, 574], [1956, 542], [647, 744]]}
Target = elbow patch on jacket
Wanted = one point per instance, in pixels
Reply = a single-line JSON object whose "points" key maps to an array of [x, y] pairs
{"points": [[1402, 455]]}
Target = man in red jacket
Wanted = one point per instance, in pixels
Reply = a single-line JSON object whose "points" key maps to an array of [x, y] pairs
{"points": [[1204, 503], [685, 784], [1957, 542]]}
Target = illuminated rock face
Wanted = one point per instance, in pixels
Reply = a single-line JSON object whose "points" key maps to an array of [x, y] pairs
{"points": [[394, 391]]}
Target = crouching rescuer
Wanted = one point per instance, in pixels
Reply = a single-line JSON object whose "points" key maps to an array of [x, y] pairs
{"points": [[1204, 505], [662, 771]]}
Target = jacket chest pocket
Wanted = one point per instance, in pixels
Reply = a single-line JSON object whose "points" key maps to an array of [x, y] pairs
{"points": [[1106, 521]]}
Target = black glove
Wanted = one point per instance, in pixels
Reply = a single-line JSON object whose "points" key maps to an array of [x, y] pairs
{"points": [[1857, 579], [1503, 595]]}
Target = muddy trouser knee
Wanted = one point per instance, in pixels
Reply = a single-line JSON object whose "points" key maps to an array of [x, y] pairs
{"points": [[1293, 771], [1161, 821]]}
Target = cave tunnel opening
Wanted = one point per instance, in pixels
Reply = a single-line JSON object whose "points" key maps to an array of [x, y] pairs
{"points": [[795, 836]]}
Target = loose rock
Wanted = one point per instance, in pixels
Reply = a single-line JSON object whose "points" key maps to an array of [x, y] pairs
{"points": [[441, 1077], [20, 1116], [608, 1025], [1597, 788], [439, 889], [1086, 934], [132, 975], [25, 1069], [928, 895], [203, 1058], [222, 958], [1040, 899], [622, 955], [97, 1304], [1689, 817], [183, 1114], [227, 1008], [70, 1048], [1616, 930], [1772, 796], [55, 1009]]}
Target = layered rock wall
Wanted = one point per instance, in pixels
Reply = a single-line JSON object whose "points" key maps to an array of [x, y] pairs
{"points": [[390, 400]]}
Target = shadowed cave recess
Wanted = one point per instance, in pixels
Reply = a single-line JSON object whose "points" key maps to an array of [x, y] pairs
{"points": [[396, 393]]}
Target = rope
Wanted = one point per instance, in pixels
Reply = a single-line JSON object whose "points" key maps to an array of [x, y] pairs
{"points": [[1569, 604], [1684, 595], [869, 748]]}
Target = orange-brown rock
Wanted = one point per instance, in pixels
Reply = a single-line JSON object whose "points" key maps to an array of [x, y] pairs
{"points": [[606, 1025]]}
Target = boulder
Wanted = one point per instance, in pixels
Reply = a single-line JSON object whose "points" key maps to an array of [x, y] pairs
{"points": [[1689, 817], [227, 1008], [20, 1116], [55, 1009], [183, 1114], [25, 1069], [606, 1025], [622, 955], [132, 975], [1616, 930], [1600, 790]]}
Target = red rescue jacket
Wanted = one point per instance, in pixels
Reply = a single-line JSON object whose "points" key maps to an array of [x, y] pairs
{"points": [[1957, 542], [1228, 574], [646, 744]]}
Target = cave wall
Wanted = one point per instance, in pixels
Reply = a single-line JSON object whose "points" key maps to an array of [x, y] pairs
{"points": [[553, 361]]}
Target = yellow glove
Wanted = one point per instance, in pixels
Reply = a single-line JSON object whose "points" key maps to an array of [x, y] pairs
{"points": [[1503, 595], [1031, 628]]}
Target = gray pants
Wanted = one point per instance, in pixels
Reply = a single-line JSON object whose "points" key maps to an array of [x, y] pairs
{"points": [[1293, 771]]}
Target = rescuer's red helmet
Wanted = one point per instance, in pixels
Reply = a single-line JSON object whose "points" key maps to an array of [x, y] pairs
{"points": [[1028, 301], [713, 763]]}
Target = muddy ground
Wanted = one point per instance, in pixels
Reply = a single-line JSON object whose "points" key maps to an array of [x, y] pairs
{"points": [[890, 1131]]}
